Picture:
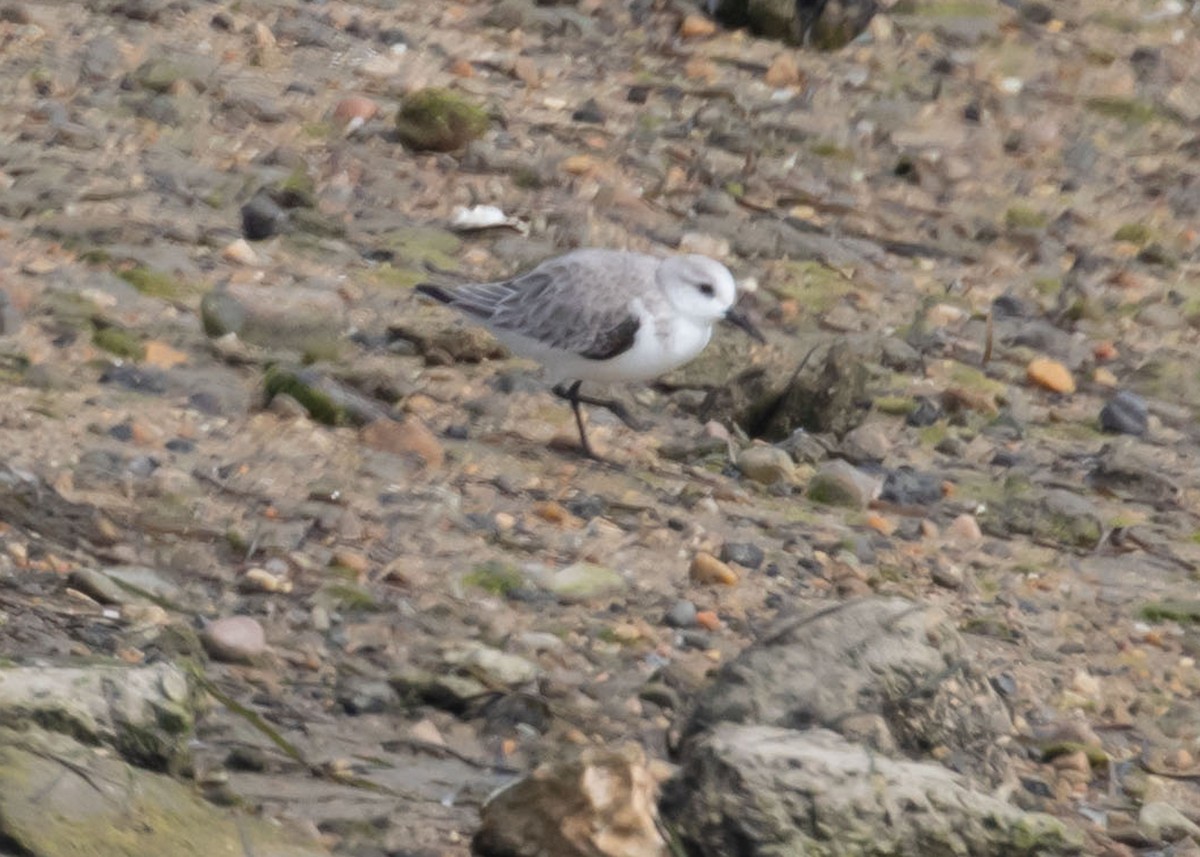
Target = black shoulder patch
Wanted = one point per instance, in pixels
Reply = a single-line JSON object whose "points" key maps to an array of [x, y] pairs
{"points": [[614, 341]]}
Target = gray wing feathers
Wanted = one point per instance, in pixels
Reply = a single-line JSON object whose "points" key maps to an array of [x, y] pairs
{"points": [[565, 304]]}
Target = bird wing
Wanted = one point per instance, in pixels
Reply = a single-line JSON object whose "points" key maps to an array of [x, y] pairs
{"points": [[568, 304]]}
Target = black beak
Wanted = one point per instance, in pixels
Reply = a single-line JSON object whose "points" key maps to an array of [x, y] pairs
{"points": [[738, 320]]}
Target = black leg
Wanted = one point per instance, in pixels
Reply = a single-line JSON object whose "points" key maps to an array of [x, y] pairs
{"points": [[571, 394]]}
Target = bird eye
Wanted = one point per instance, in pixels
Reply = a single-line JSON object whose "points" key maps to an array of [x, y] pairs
{"points": [[706, 289]]}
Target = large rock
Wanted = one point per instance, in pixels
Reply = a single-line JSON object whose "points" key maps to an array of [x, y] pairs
{"points": [[599, 805], [60, 797], [825, 24], [144, 713], [762, 791], [886, 671]]}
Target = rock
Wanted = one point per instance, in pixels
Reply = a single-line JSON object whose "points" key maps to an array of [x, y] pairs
{"points": [[758, 791], [1050, 375], [783, 71], [601, 805], [766, 464], [745, 554], [681, 615], [581, 581], [589, 112], [1126, 470], [48, 782], [886, 671], [355, 110], [409, 438], [866, 443], [306, 320], [145, 713], [10, 316], [1125, 413], [1055, 515], [840, 483], [263, 218], [964, 530], [706, 569], [166, 73], [494, 666], [236, 639], [326, 400], [1160, 823], [439, 120], [907, 487]]}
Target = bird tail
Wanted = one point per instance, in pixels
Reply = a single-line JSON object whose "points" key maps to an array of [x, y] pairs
{"points": [[436, 292]]}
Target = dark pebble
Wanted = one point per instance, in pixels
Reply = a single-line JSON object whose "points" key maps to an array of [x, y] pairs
{"points": [[1004, 684], [637, 94], [458, 432], [1036, 787], [745, 554], [589, 112], [926, 413], [587, 506], [179, 444], [1004, 458], [137, 378], [1011, 306], [121, 431], [1125, 413], [909, 487], [262, 218], [1037, 13]]}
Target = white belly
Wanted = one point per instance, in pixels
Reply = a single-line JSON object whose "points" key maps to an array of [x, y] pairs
{"points": [[652, 354]]}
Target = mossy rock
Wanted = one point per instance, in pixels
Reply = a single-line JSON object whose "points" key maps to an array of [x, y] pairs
{"points": [[438, 120], [119, 342]]}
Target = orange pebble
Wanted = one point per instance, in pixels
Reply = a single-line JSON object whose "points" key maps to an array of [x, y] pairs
{"points": [[708, 620]]}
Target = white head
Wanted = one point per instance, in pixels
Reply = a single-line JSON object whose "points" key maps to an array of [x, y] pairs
{"points": [[697, 286], [702, 289]]}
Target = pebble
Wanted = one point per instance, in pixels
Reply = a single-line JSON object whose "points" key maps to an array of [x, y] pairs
{"points": [[1050, 375], [235, 639], [262, 218], [682, 614], [766, 464], [965, 530], [1125, 413], [589, 112], [745, 554], [581, 581], [696, 26], [783, 71], [907, 487], [946, 574], [707, 569], [840, 483], [262, 580], [409, 438], [708, 620], [240, 252], [868, 442], [1161, 822]]}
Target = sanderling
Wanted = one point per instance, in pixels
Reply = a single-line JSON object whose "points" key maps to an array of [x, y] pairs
{"points": [[604, 315]]}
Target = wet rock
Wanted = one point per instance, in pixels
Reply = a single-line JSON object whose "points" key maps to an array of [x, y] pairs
{"points": [[745, 554], [48, 782], [764, 790], [1125, 413], [144, 713], [263, 218], [602, 804], [840, 483], [439, 120], [766, 464], [581, 581], [856, 668], [236, 639]]}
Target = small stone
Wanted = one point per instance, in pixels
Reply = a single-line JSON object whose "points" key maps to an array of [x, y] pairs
{"points": [[868, 442], [1086, 684], [235, 639], [1050, 375], [525, 70], [699, 68], [262, 218], [946, 574], [696, 26], [745, 554], [706, 569], [163, 356], [907, 487], [582, 581], [240, 252], [351, 560], [681, 615], [783, 71], [766, 464], [589, 112], [409, 438], [965, 530], [355, 110], [708, 620], [839, 483], [261, 580], [439, 120], [426, 730], [1160, 822], [1125, 413]]}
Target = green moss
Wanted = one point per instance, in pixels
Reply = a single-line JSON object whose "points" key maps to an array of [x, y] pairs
{"points": [[496, 578], [829, 149], [1173, 610], [319, 405], [528, 178], [399, 278], [439, 120], [1131, 111], [422, 246], [119, 342], [348, 597], [1047, 286], [951, 9], [735, 189], [1024, 217], [155, 284], [298, 190], [1097, 758], [815, 286], [1134, 233], [896, 406]]}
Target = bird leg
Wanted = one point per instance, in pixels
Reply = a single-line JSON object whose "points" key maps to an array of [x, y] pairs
{"points": [[572, 395]]}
